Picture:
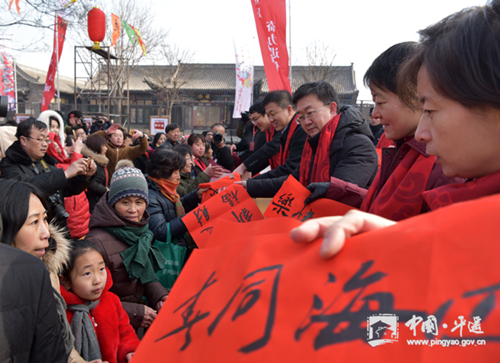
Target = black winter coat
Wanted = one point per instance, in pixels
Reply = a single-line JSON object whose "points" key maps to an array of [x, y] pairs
{"points": [[30, 329], [259, 140], [292, 161], [352, 156], [162, 212], [97, 189], [223, 157], [18, 165]]}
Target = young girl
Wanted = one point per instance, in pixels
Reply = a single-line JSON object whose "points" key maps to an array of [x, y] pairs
{"points": [[98, 321]]}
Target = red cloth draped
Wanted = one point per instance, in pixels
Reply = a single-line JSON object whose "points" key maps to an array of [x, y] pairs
{"points": [[285, 152], [401, 196], [321, 168], [461, 192], [275, 160]]}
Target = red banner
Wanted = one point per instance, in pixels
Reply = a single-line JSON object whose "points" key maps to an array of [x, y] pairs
{"points": [[270, 18], [49, 89], [424, 290], [289, 202], [233, 203]]}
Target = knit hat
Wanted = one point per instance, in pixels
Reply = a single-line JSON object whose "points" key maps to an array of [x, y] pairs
{"points": [[127, 182]]}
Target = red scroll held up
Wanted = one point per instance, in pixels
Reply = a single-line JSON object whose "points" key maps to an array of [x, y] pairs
{"points": [[289, 202], [424, 290]]}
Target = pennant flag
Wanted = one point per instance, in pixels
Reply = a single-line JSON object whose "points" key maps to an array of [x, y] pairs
{"points": [[49, 89], [232, 204], [115, 20], [17, 6], [139, 39], [289, 202], [423, 290], [134, 34], [216, 186]]}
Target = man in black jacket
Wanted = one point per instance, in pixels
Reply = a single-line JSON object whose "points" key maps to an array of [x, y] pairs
{"points": [[288, 141], [30, 329], [26, 160], [222, 152], [352, 155]]}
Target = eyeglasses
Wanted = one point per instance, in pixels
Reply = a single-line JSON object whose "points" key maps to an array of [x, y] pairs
{"points": [[308, 115], [47, 141], [255, 120]]}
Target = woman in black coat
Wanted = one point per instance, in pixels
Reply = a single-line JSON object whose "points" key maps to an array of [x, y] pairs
{"points": [[166, 207], [95, 147]]}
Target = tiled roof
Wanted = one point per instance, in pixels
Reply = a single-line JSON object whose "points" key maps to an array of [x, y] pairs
{"points": [[222, 77], [37, 76]]}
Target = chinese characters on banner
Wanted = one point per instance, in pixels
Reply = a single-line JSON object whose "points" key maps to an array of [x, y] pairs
{"points": [[49, 89], [244, 79], [270, 19], [232, 203], [7, 84], [263, 298], [289, 202], [215, 187]]}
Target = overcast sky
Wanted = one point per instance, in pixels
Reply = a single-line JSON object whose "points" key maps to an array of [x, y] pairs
{"points": [[356, 31]]}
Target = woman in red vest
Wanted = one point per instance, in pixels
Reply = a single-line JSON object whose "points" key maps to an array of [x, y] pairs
{"points": [[456, 74]]}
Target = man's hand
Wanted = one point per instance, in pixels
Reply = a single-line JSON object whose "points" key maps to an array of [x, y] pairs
{"points": [[200, 192], [214, 171], [240, 169], [318, 191], [91, 170], [136, 135], [232, 148], [112, 129], [242, 183], [160, 303], [336, 230], [129, 356], [79, 167], [78, 145], [149, 316]]}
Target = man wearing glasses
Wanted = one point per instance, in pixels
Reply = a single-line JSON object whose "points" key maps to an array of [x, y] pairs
{"points": [[27, 160], [339, 142], [289, 140]]}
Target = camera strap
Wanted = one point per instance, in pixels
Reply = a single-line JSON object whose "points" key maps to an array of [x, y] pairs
{"points": [[46, 168]]}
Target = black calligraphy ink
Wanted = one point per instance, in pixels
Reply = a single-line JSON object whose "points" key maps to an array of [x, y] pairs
{"points": [[200, 213], [249, 300], [284, 204], [188, 312], [304, 216], [244, 216], [231, 198]]}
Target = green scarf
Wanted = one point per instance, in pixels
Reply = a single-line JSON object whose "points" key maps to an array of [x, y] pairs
{"points": [[141, 259]]}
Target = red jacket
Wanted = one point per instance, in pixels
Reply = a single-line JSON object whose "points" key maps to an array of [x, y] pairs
{"points": [[77, 206], [116, 336]]}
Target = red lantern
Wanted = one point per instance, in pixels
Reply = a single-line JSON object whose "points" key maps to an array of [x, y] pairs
{"points": [[96, 23]]}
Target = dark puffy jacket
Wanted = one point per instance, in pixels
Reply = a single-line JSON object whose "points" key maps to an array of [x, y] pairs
{"points": [[352, 156], [259, 139], [97, 189], [223, 157], [130, 292], [18, 165], [188, 183], [162, 212], [30, 330]]}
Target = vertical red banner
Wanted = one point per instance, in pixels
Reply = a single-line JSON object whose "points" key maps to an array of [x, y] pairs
{"points": [[270, 18], [49, 89]]}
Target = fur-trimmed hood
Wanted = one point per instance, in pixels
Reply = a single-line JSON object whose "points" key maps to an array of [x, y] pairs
{"points": [[45, 118], [100, 159], [56, 260]]}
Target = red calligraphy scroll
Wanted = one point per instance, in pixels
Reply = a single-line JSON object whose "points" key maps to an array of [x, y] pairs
{"points": [[49, 89], [270, 18], [215, 186], [289, 202], [424, 290], [233, 203]]}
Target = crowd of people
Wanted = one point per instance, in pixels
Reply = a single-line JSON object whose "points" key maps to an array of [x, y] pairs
{"points": [[94, 208]]}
